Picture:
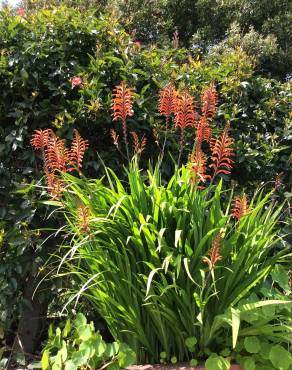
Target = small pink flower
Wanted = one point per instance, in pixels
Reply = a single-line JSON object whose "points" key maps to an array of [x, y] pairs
{"points": [[20, 12], [76, 81], [137, 45]]}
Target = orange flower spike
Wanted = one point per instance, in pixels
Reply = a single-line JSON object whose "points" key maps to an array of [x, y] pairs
{"points": [[221, 153], [204, 131], [214, 253], [167, 101], [184, 110], [78, 148], [122, 102], [57, 155], [198, 166], [240, 207], [40, 139], [209, 102], [83, 216], [55, 186], [139, 146]]}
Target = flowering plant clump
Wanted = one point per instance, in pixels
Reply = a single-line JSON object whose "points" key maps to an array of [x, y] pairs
{"points": [[170, 264]]}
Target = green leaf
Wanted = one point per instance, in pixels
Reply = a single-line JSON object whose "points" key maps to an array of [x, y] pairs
{"points": [[280, 357], [111, 349], [113, 366], [235, 318], [280, 275], [249, 363], [84, 332], [79, 358], [252, 344], [215, 362], [191, 343], [80, 320], [126, 356], [163, 355], [69, 365], [193, 362], [45, 360], [225, 352], [67, 329], [173, 360], [63, 351], [265, 350], [50, 331]]}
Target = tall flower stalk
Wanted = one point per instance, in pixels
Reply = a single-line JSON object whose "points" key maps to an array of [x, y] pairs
{"points": [[167, 107], [184, 117], [122, 107]]}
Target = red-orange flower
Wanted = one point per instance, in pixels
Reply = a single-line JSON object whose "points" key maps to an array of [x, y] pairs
{"points": [[204, 130], [83, 217], [197, 162], [122, 102], [167, 100], [57, 156], [184, 110], [209, 101], [214, 253], [78, 148], [40, 138], [240, 207], [221, 153]]}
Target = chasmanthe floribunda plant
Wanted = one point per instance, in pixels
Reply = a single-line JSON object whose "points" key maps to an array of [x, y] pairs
{"points": [[168, 263], [165, 262]]}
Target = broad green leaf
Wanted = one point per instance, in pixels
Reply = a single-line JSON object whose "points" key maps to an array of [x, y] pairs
{"points": [[80, 320], [280, 357], [252, 344], [280, 275], [79, 358], [173, 360], [249, 364], [193, 362], [191, 343], [84, 332], [217, 363]]}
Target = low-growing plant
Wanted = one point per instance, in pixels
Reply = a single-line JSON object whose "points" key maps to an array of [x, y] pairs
{"points": [[77, 345]]}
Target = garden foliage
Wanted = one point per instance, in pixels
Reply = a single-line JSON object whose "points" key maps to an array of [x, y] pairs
{"points": [[172, 266], [78, 345], [57, 70], [163, 263]]}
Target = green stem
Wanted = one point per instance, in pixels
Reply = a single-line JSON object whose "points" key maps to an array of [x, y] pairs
{"points": [[182, 143], [126, 139]]}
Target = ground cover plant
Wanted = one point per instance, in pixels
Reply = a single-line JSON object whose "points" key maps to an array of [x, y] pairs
{"points": [[172, 265]]}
